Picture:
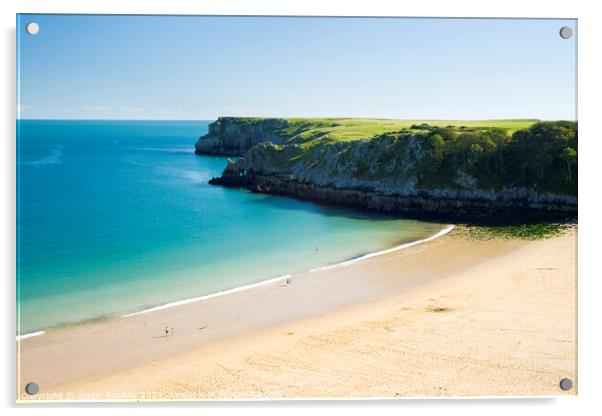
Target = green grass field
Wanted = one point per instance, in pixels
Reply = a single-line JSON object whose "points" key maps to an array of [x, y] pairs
{"points": [[344, 129]]}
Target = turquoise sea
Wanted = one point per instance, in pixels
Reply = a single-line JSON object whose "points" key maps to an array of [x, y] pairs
{"points": [[114, 217]]}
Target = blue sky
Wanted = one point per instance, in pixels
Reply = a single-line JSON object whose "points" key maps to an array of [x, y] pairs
{"points": [[194, 67]]}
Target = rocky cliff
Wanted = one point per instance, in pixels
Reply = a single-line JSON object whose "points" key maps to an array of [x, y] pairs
{"points": [[385, 173], [233, 136]]}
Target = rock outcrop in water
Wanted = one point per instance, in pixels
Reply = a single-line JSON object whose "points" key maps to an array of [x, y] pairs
{"points": [[380, 173]]}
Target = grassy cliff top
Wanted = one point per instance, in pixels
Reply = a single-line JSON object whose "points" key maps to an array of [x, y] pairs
{"points": [[301, 130], [475, 154]]}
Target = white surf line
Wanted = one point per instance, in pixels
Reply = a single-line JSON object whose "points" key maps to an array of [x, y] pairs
{"points": [[209, 296], [441, 233], [31, 334], [267, 282]]}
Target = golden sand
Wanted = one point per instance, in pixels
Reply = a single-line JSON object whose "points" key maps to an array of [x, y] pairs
{"points": [[452, 317]]}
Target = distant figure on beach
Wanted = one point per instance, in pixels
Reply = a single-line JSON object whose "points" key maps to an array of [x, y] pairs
{"points": [[289, 280], [166, 330]]}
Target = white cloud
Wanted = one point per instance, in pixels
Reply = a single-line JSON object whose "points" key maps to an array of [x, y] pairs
{"points": [[132, 109], [22, 108], [89, 107], [167, 110]]}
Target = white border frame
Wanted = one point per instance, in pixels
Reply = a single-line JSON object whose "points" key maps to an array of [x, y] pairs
{"points": [[590, 29]]}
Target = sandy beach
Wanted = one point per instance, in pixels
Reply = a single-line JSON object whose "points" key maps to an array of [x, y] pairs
{"points": [[451, 317]]}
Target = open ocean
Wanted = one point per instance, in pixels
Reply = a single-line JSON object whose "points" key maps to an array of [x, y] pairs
{"points": [[115, 217]]}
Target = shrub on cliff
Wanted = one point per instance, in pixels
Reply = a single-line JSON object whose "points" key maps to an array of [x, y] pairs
{"points": [[542, 157], [545, 156]]}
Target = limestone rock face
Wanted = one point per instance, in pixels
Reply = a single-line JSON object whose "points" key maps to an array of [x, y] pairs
{"points": [[234, 136]]}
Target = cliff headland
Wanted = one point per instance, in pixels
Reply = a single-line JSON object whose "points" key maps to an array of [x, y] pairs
{"points": [[486, 170]]}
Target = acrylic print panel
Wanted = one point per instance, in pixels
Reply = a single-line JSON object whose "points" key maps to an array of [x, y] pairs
{"points": [[295, 207]]}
